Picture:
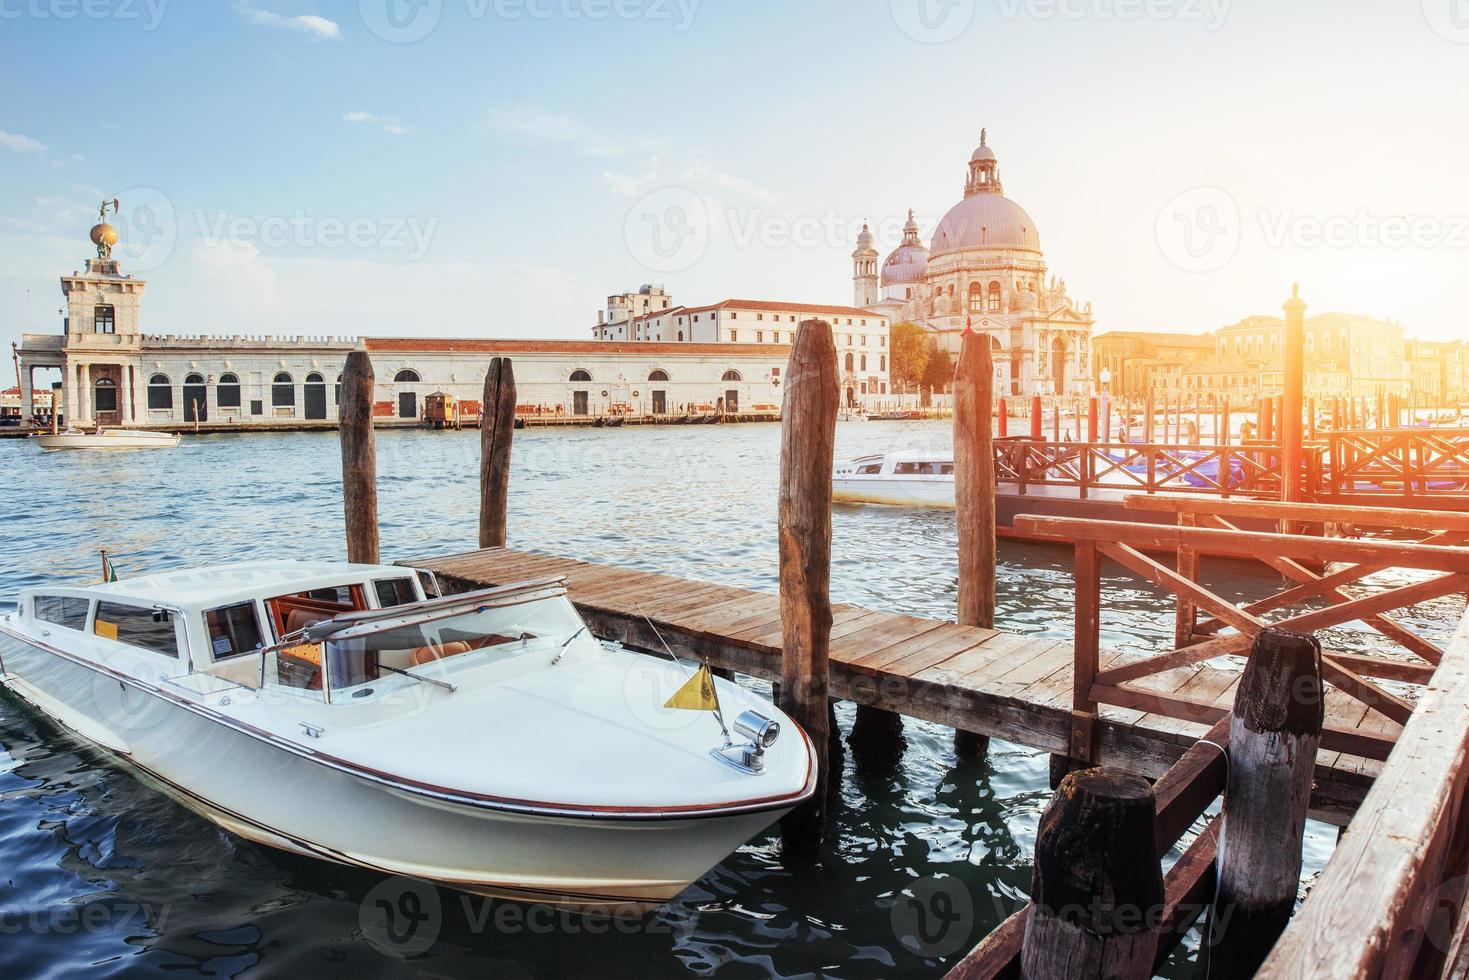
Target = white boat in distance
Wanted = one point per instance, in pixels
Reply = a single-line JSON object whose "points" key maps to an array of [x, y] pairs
{"points": [[907, 479], [484, 741], [107, 439]]}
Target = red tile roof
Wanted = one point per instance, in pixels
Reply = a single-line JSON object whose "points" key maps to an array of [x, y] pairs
{"points": [[433, 345]]}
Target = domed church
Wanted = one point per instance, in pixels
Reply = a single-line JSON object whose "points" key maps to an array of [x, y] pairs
{"points": [[984, 268]]}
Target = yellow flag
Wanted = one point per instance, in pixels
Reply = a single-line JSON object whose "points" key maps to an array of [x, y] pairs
{"points": [[697, 694]]}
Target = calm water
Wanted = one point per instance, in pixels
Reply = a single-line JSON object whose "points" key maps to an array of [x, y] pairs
{"points": [[102, 876]]}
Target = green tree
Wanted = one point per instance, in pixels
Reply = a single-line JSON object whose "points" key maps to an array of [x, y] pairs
{"points": [[910, 354], [939, 372]]}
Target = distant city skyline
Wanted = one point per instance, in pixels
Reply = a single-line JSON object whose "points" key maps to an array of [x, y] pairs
{"points": [[384, 168]]}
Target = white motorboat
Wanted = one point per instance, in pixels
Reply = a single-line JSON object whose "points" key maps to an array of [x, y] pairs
{"points": [[106, 439], [483, 741], [909, 479]]}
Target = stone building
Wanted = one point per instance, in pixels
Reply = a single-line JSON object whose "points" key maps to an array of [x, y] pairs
{"points": [[1136, 361], [861, 335], [115, 373], [984, 269]]}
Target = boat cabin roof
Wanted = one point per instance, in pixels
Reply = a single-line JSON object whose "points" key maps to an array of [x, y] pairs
{"points": [[208, 587]]}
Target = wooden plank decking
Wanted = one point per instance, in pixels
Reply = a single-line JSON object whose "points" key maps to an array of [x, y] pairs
{"points": [[1012, 687]]}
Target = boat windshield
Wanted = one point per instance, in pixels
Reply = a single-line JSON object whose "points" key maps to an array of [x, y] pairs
{"points": [[451, 642]]}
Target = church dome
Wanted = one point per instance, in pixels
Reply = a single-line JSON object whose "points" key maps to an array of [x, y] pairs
{"points": [[909, 261], [986, 221], [986, 218]]}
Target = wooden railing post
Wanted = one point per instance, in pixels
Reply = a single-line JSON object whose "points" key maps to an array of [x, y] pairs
{"points": [[497, 431], [1097, 887], [1085, 659], [1293, 362], [359, 459], [1037, 432], [1091, 419], [1273, 737], [1185, 614], [974, 497], [807, 446]]}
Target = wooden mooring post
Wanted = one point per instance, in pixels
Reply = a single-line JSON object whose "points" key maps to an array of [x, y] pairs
{"points": [[1097, 887], [1274, 733], [1293, 362], [359, 459], [496, 432], [807, 446], [974, 498]]}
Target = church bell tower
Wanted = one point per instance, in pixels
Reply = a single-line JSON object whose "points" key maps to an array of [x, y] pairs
{"points": [[864, 271]]}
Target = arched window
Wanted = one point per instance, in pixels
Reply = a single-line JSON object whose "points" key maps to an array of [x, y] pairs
{"points": [[994, 304], [283, 391], [864, 362], [658, 376], [338, 396], [976, 298], [732, 376], [104, 398], [406, 376], [882, 362], [581, 376], [160, 392], [229, 391], [314, 378], [680, 335], [850, 362], [194, 379]]}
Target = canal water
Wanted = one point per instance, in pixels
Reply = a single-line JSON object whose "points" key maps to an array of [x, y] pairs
{"points": [[102, 876]]}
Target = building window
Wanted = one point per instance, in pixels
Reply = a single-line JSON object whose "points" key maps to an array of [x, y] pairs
{"points": [[658, 376], [759, 336], [105, 397], [863, 338], [104, 319], [405, 377], [283, 391], [882, 362], [229, 391], [734, 316], [850, 362], [581, 376], [864, 362], [994, 303], [759, 316], [734, 336], [680, 335], [732, 375], [160, 392]]}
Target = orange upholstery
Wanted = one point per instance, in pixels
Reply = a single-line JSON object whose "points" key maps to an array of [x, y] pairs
{"points": [[424, 655], [301, 618]]}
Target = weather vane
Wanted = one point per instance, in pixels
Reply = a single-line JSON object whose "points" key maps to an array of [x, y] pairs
{"points": [[104, 235]]}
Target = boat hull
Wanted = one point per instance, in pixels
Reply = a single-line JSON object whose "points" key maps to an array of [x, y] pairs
{"points": [[279, 793], [106, 441], [897, 492]]}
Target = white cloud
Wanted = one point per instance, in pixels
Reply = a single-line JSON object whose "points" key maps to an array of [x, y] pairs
{"points": [[20, 144], [388, 124], [317, 28], [701, 173], [628, 184]]}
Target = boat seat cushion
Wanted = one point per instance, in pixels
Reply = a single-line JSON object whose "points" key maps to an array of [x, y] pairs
{"points": [[428, 654]]}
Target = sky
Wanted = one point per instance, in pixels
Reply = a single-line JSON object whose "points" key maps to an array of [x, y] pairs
{"points": [[498, 167]]}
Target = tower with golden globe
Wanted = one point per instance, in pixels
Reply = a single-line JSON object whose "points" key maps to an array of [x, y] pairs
{"points": [[104, 235]]}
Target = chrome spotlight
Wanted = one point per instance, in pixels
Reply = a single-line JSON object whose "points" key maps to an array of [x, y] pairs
{"points": [[749, 757]]}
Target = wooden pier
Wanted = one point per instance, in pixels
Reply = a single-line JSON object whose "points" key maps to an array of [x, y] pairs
{"points": [[1013, 687]]}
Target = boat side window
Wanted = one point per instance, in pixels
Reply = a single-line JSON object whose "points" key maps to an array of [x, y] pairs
{"points": [[137, 626], [62, 610], [946, 469], [907, 469], [394, 592], [870, 468], [233, 630]]}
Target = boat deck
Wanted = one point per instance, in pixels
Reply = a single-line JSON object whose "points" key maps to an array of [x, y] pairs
{"points": [[1012, 687]]}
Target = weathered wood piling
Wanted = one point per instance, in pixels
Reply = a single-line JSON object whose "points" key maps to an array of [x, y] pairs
{"points": [[807, 446], [1097, 887], [497, 431], [1274, 733], [974, 497], [359, 459]]}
